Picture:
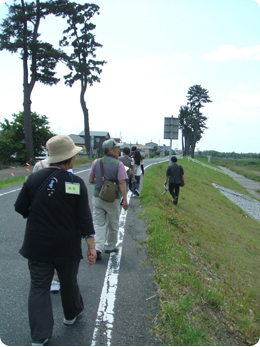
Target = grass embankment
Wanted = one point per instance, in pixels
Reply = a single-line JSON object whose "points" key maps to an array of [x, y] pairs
{"points": [[20, 179], [206, 254]]}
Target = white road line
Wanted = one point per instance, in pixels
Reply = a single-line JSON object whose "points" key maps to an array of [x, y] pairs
{"points": [[11, 191], [15, 190], [105, 314]]}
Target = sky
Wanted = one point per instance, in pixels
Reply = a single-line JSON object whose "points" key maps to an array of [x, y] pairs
{"points": [[155, 51]]}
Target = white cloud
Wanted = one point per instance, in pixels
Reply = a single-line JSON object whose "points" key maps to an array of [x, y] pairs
{"points": [[257, 1], [245, 99], [229, 52], [242, 86]]}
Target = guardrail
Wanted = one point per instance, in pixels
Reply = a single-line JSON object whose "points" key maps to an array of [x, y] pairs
{"points": [[205, 165]]}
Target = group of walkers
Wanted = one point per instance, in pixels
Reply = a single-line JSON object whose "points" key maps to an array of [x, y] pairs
{"points": [[55, 203]]}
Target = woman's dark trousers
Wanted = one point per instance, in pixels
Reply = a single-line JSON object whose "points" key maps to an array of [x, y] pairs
{"points": [[39, 303]]}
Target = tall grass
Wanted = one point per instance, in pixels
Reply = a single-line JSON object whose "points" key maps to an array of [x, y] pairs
{"points": [[206, 254]]}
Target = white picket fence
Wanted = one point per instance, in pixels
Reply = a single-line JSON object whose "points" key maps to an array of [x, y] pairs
{"points": [[205, 165]]}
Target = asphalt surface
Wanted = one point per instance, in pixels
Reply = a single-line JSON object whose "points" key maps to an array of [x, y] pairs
{"points": [[136, 303]]}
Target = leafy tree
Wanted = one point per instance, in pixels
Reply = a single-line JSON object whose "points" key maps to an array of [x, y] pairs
{"points": [[187, 124], [20, 32], [12, 143], [197, 97], [81, 62]]}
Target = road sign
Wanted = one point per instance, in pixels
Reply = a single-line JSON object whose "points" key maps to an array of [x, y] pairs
{"points": [[171, 128]]}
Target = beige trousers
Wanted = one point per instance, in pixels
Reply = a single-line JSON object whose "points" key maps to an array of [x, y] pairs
{"points": [[106, 223]]}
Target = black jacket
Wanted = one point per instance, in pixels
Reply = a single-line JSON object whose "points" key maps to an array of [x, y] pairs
{"points": [[174, 172], [56, 220]]}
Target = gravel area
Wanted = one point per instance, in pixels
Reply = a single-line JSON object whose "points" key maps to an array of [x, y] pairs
{"points": [[249, 205]]}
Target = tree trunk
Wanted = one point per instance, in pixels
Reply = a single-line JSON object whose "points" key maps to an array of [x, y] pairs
{"points": [[28, 125], [86, 122], [194, 137], [182, 143], [27, 89]]}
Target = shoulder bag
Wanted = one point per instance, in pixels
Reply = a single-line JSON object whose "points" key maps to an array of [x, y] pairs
{"points": [[109, 189]]}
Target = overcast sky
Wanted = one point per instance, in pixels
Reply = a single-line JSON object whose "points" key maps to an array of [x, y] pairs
{"points": [[155, 51]]}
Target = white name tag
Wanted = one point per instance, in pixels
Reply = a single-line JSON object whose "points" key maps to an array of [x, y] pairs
{"points": [[72, 188]]}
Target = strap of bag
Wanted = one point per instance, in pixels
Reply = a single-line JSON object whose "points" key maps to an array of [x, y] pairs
{"points": [[43, 184], [102, 169], [41, 164]]}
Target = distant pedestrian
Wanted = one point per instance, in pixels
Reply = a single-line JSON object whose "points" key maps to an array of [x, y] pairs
{"points": [[106, 214], [175, 177], [128, 162], [139, 170], [41, 164], [55, 203], [131, 155]]}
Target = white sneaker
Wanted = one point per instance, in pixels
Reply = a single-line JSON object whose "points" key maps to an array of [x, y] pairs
{"points": [[55, 286], [71, 321], [40, 343]]}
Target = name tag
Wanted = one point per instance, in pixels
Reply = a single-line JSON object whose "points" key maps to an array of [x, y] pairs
{"points": [[72, 188]]}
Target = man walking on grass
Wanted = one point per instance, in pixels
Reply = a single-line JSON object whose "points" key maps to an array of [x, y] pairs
{"points": [[175, 176]]}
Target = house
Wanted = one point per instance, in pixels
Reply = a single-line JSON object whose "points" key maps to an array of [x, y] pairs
{"points": [[97, 138], [79, 141], [151, 144], [144, 150]]}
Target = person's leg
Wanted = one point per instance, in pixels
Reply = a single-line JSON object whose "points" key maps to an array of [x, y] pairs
{"points": [[171, 190], [100, 223], [55, 283], [137, 182], [113, 213], [130, 181], [71, 298], [39, 302], [176, 192]]}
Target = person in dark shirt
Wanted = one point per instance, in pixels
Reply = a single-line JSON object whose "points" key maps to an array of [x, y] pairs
{"points": [[175, 176], [55, 203]]}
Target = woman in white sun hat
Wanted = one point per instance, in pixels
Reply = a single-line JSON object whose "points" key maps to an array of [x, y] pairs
{"points": [[55, 203]]}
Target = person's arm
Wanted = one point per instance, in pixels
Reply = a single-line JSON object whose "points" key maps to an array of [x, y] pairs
{"points": [[167, 176], [91, 177], [133, 173], [91, 180], [91, 253], [142, 168], [122, 186]]}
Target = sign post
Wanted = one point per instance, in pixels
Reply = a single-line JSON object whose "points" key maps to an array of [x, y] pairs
{"points": [[171, 131]]}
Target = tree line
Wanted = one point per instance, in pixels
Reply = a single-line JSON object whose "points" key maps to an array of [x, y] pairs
{"points": [[19, 32], [229, 155]]}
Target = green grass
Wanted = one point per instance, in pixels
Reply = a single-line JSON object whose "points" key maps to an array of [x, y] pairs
{"points": [[12, 182], [20, 179], [206, 254], [249, 168]]}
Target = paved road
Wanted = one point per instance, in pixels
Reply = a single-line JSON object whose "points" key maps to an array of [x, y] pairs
{"points": [[129, 306]]}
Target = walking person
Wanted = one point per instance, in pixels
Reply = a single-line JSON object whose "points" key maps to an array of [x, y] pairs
{"points": [[139, 170], [41, 164], [175, 177], [128, 162], [106, 214], [55, 203]]}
